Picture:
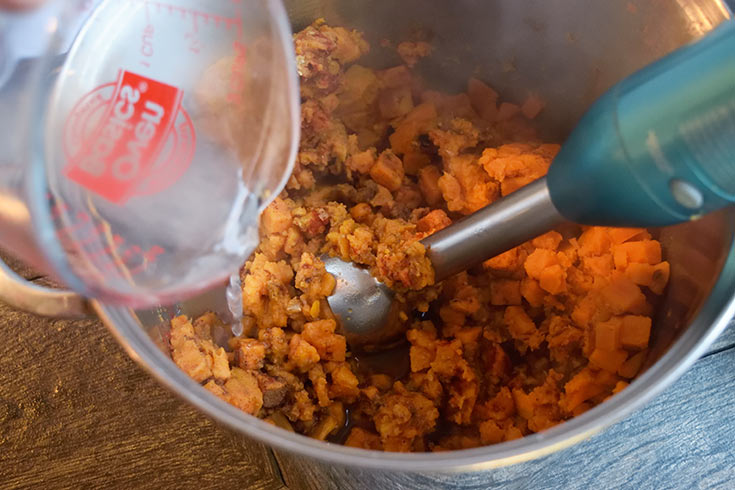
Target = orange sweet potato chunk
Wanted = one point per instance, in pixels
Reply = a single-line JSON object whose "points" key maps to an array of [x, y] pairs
{"points": [[640, 273], [484, 99], [507, 110], [505, 292], [609, 360], [549, 240], [414, 161], [607, 334], [623, 296], [532, 106], [395, 102], [429, 185], [539, 260], [433, 222], [643, 252], [532, 292], [594, 241], [521, 327], [553, 279], [635, 331], [584, 385], [388, 171]]}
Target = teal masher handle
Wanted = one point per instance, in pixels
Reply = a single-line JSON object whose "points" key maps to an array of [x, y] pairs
{"points": [[657, 148]]}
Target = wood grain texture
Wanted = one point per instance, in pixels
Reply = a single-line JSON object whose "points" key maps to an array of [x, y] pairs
{"points": [[684, 439], [75, 411]]}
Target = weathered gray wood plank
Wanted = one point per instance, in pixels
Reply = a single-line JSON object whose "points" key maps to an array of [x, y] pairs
{"points": [[75, 411], [684, 439]]}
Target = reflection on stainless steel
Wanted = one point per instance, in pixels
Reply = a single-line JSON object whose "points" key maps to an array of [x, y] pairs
{"points": [[365, 306], [518, 217]]}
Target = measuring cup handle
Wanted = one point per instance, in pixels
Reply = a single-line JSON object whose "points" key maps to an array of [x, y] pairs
{"points": [[26, 296]]}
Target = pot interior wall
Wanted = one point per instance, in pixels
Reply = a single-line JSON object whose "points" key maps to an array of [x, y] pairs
{"points": [[565, 51]]}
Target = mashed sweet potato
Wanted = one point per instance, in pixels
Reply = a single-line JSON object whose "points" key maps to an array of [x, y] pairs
{"points": [[528, 339]]}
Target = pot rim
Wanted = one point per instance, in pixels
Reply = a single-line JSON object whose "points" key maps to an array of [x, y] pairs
{"points": [[712, 318]]}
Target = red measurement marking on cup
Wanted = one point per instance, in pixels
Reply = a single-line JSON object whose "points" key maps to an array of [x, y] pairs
{"points": [[191, 38], [120, 136]]}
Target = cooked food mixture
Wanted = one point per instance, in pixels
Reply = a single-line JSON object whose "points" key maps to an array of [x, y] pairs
{"points": [[529, 339]]}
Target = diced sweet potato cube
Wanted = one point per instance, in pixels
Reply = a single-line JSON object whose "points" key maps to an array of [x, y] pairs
{"points": [[635, 332], [363, 439], [585, 310], [505, 292], [244, 392], [429, 185], [521, 327], [413, 161], [276, 218], [508, 261], [491, 432], [395, 102], [644, 252], [584, 385], [619, 386], [549, 240], [360, 211], [601, 265], [623, 296], [553, 279], [403, 138], [609, 360], [468, 335], [539, 260], [362, 162], [632, 366], [388, 171], [433, 221], [394, 77], [484, 99], [451, 191], [641, 274], [423, 116], [507, 110], [524, 403], [302, 354], [594, 241], [344, 383], [532, 292], [330, 345], [532, 106], [607, 334], [420, 120]]}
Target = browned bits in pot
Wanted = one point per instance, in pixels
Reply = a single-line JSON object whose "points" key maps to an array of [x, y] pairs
{"points": [[533, 337]]}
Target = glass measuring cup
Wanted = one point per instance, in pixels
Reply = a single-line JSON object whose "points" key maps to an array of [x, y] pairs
{"points": [[148, 135]]}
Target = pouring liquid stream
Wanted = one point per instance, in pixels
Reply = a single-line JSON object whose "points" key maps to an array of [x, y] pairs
{"points": [[234, 303]]}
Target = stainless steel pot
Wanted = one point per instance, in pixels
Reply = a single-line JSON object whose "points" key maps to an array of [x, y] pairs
{"points": [[568, 51]]}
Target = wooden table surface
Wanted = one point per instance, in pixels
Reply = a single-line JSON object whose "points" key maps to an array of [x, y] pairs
{"points": [[77, 412]]}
